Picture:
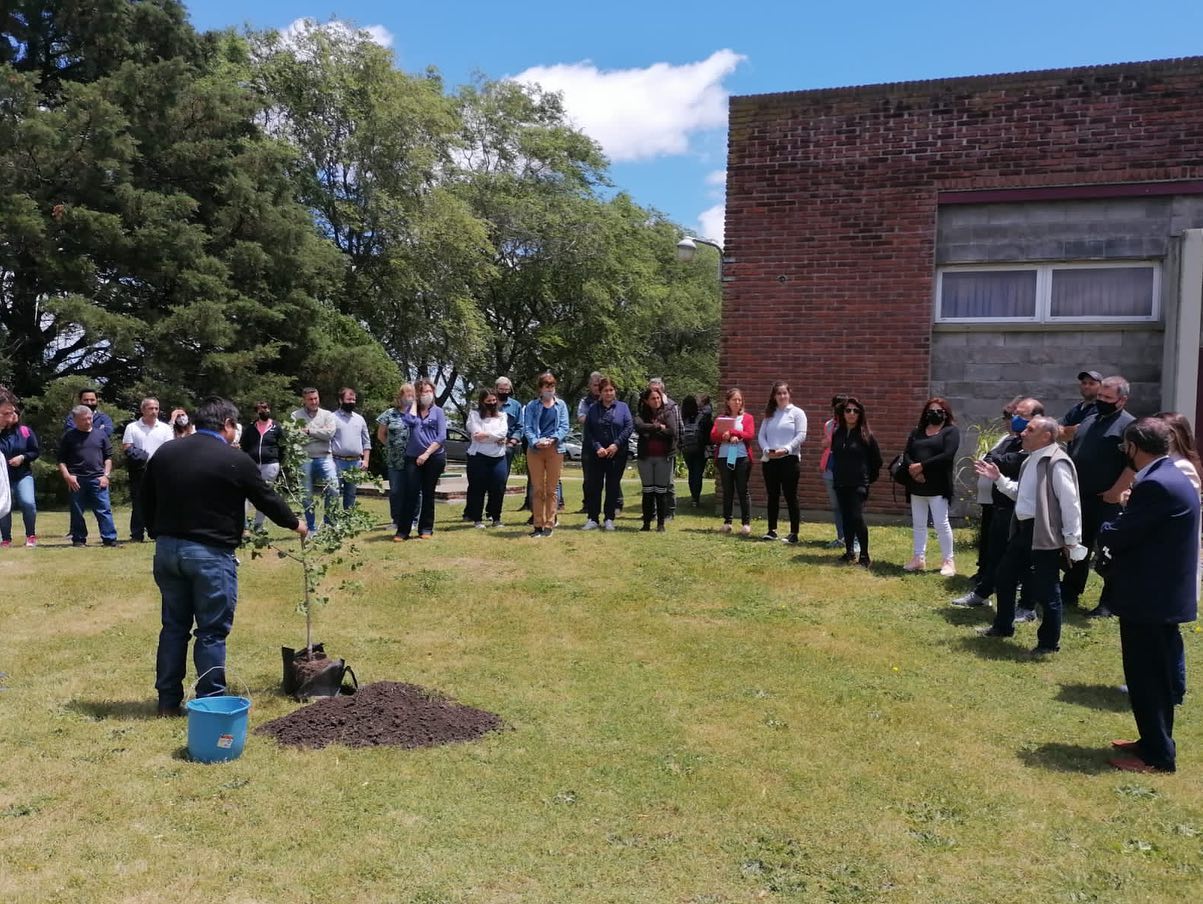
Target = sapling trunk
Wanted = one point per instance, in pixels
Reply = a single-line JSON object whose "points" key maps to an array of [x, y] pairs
{"points": [[305, 574]]}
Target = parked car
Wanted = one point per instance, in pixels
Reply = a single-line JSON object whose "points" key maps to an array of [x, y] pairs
{"points": [[574, 444], [457, 444]]}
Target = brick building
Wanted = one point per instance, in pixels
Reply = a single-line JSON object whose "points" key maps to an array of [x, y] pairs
{"points": [[968, 237]]}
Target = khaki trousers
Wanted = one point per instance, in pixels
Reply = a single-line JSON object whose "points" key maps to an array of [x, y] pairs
{"points": [[544, 467]]}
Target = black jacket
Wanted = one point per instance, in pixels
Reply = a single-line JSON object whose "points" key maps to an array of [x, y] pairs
{"points": [[853, 463], [664, 426], [265, 449], [1010, 458], [196, 488]]}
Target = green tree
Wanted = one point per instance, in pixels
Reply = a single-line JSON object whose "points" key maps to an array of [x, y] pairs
{"points": [[373, 147], [149, 236], [577, 282]]}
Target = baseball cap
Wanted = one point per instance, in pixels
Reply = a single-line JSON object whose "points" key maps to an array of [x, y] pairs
{"points": [[1092, 375]]}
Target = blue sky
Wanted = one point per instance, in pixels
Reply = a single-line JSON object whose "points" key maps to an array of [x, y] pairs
{"points": [[649, 80]]}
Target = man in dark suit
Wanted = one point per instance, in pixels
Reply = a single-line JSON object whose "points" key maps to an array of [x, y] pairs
{"points": [[1149, 556], [195, 491]]}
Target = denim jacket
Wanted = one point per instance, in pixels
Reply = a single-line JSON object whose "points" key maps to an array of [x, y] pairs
{"points": [[530, 423]]}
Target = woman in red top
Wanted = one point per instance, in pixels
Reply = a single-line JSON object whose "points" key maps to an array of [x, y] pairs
{"points": [[732, 434]]}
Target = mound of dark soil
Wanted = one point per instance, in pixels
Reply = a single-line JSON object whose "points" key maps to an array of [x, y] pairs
{"points": [[386, 713]]}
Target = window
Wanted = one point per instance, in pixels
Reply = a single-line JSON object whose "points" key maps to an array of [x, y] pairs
{"points": [[1048, 293]]}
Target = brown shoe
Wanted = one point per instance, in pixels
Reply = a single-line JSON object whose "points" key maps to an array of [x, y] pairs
{"points": [[1126, 746], [1136, 764]]}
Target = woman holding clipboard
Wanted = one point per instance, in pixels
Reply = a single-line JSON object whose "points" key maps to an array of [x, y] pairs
{"points": [[732, 434]]}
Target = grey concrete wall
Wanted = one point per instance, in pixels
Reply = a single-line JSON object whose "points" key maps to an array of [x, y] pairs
{"points": [[978, 371], [978, 368], [1063, 230]]}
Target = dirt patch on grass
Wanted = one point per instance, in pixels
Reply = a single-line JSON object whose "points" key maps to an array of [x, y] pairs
{"points": [[383, 714]]}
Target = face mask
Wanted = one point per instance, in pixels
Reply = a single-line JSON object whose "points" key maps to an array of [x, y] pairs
{"points": [[91, 405], [265, 415], [1018, 423], [348, 406], [181, 421], [933, 417], [547, 395], [1106, 409], [427, 399], [504, 396], [491, 407]]}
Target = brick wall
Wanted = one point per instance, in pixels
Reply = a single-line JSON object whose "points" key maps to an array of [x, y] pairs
{"points": [[831, 214]]}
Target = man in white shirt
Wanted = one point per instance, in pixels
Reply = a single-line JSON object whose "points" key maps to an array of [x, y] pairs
{"points": [[1048, 527], [142, 438], [319, 426], [351, 445]]}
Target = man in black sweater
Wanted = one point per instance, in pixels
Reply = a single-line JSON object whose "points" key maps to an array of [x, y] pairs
{"points": [[195, 492]]}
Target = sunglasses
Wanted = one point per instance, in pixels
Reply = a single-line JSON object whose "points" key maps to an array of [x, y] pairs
{"points": [[853, 410]]}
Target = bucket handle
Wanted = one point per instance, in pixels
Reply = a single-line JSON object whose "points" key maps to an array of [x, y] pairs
{"points": [[229, 674]]}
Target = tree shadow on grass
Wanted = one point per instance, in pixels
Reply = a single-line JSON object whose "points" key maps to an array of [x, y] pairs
{"points": [[129, 710], [1106, 697], [999, 649], [1066, 758]]}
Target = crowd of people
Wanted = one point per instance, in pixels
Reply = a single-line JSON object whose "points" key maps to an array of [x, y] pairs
{"points": [[1098, 483]]}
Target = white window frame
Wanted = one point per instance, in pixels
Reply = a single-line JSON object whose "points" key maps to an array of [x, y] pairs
{"points": [[1044, 291]]}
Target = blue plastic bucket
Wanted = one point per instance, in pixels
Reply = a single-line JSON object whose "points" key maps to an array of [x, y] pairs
{"points": [[217, 728]]}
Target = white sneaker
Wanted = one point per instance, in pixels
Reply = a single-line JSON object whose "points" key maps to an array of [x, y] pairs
{"points": [[970, 600], [917, 563], [609, 524], [590, 525], [948, 568], [725, 529], [479, 524], [746, 530]]}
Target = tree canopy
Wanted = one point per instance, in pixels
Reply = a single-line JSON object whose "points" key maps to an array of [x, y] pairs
{"points": [[186, 214]]}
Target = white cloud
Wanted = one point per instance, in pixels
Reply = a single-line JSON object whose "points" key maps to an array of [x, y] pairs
{"points": [[636, 114], [712, 223], [377, 34], [717, 179]]}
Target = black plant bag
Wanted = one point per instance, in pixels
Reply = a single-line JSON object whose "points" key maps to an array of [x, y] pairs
{"points": [[329, 681]]}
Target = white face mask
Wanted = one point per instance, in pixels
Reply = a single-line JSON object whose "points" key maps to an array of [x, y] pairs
{"points": [[427, 399], [547, 394]]}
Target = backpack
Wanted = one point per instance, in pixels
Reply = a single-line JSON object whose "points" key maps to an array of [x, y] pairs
{"points": [[689, 435]]}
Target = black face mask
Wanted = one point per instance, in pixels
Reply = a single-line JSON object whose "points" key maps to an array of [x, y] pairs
{"points": [[265, 415], [348, 406], [1105, 409], [933, 417], [504, 396], [491, 409]]}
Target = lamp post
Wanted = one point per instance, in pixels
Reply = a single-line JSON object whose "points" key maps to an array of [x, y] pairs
{"points": [[687, 248]]}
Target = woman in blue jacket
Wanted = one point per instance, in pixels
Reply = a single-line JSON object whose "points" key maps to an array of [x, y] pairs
{"points": [[19, 447], [545, 426], [608, 426]]}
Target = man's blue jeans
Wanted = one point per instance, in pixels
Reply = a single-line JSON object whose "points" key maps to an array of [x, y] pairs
{"points": [[347, 488], [23, 499], [91, 496], [199, 584], [319, 472]]}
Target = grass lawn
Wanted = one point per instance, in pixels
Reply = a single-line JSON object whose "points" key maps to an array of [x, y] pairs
{"points": [[691, 718]]}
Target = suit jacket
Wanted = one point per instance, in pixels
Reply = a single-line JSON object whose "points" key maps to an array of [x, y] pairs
{"points": [[1154, 547]]}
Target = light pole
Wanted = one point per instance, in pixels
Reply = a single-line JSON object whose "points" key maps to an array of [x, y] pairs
{"points": [[687, 248]]}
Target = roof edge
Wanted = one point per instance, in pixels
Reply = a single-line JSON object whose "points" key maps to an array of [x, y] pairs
{"points": [[1170, 65]]}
